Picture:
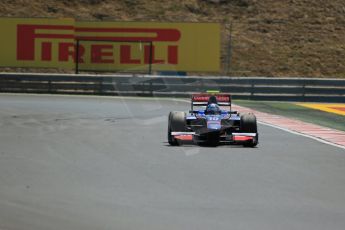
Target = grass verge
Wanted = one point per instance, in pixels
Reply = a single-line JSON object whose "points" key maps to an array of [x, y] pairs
{"points": [[291, 110]]}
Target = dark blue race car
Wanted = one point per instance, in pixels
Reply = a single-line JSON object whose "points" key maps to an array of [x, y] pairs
{"points": [[213, 123]]}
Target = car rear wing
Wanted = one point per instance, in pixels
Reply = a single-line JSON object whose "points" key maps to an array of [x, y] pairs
{"points": [[203, 99]]}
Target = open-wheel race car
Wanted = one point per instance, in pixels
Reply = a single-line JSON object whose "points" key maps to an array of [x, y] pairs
{"points": [[211, 121]]}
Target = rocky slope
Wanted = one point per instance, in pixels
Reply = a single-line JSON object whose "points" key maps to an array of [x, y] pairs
{"points": [[270, 37]]}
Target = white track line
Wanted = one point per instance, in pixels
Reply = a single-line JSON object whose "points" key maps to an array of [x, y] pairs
{"points": [[302, 134]]}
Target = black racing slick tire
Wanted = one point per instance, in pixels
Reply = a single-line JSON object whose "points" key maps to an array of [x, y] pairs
{"points": [[248, 125], [176, 123]]}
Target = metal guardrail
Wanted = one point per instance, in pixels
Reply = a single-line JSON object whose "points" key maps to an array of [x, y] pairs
{"points": [[253, 88]]}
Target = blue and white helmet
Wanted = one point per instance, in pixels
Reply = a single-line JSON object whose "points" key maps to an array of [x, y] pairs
{"points": [[212, 109]]}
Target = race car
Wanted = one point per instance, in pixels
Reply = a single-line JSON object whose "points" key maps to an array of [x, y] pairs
{"points": [[212, 123]]}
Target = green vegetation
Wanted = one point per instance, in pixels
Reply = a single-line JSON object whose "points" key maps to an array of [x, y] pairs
{"points": [[295, 111]]}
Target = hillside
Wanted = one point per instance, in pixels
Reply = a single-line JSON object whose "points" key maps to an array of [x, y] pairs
{"points": [[270, 37]]}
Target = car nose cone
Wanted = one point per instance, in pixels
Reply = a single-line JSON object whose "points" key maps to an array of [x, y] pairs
{"points": [[214, 125]]}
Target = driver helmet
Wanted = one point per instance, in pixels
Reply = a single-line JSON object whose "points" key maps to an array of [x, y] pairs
{"points": [[212, 109]]}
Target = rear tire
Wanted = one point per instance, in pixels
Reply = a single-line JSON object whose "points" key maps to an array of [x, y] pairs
{"points": [[177, 123], [249, 125]]}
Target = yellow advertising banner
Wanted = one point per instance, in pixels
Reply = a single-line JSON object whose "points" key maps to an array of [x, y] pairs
{"points": [[109, 46]]}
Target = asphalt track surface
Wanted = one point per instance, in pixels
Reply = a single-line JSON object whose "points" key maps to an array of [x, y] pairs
{"points": [[104, 163]]}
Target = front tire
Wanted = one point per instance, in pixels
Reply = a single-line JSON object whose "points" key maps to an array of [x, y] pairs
{"points": [[177, 123], [248, 125]]}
